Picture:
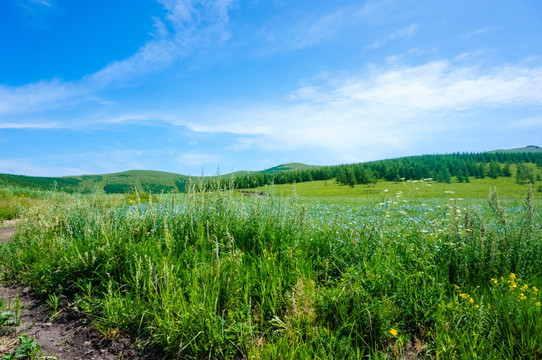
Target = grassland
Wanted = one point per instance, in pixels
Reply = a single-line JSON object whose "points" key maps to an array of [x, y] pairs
{"points": [[475, 189], [219, 275]]}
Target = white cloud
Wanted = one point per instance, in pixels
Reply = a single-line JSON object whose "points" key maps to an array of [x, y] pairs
{"points": [[406, 32], [29, 125], [356, 116], [50, 94]]}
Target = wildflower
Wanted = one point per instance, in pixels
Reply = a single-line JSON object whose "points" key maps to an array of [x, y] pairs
{"points": [[535, 290], [471, 300], [524, 287], [537, 303], [495, 281], [393, 332], [512, 276], [464, 296], [522, 296], [456, 287]]}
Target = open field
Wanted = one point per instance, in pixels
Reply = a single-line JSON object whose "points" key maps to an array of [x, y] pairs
{"points": [[218, 275], [475, 189]]}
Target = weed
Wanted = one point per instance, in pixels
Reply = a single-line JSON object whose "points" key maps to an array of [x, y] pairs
{"points": [[53, 301], [27, 349]]}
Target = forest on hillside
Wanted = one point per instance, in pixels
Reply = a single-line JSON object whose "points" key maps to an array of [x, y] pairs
{"points": [[440, 168]]}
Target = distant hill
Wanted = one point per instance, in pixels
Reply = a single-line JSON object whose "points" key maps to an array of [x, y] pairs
{"points": [[528, 148], [123, 182], [290, 167], [461, 165], [128, 181]]}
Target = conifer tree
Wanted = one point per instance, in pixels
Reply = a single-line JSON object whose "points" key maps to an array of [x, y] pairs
{"points": [[494, 169]]}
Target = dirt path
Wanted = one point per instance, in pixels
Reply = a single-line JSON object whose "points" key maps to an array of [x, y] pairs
{"points": [[68, 335]]}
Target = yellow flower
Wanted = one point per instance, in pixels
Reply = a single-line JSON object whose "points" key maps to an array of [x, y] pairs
{"points": [[524, 287], [535, 290], [512, 276], [471, 300], [538, 303], [495, 281], [456, 287], [522, 296], [393, 332], [464, 296]]}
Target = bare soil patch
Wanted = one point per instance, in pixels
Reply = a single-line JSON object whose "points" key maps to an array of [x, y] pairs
{"points": [[68, 335], [7, 230]]}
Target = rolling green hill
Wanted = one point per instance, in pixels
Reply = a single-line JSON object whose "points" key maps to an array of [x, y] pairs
{"points": [[529, 148], [127, 181], [290, 167], [459, 167]]}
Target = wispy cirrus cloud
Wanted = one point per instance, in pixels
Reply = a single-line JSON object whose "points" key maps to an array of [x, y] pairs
{"points": [[403, 33], [480, 31], [36, 12], [186, 26], [43, 94], [309, 29], [46, 3], [36, 7], [30, 125]]}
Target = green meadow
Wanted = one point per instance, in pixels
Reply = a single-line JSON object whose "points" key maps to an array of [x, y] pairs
{"points": [[321, 272], [417, 189], [376, 269]]}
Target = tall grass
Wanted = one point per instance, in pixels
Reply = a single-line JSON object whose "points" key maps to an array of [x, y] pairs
{"points": [[218, 275]]}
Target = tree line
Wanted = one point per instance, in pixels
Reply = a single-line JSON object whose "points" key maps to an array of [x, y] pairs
{"points": [[440, 168]]}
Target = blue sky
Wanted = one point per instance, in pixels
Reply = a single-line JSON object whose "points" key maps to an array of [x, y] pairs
{"points": [[186, 86]]}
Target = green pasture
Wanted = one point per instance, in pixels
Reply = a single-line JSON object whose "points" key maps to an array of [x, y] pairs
{"points": [[328, 276], [475, 189]]}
